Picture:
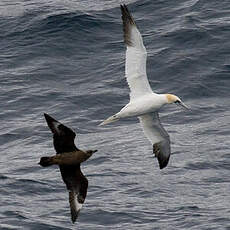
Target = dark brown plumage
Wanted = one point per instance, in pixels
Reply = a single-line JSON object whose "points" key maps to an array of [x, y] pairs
{"points": [[68, 158]]}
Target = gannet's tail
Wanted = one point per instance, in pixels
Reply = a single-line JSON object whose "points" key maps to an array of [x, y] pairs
{"points": [[110, 120]]}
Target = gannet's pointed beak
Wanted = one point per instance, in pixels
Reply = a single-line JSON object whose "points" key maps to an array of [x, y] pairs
{"points": [[109, 120], [183, 105]]}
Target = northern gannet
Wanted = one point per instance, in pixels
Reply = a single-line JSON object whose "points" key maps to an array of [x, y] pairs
{"points": [[144, 103]]}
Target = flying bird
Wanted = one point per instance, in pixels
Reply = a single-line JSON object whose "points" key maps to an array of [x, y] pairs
{"points": [[144, 103], [69, 158]]}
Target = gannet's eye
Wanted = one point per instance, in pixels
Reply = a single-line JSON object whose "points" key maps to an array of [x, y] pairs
{"points": [[177, 102]]}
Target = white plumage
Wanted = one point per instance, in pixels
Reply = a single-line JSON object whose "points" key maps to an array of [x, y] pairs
{"points": [[144, 103]]}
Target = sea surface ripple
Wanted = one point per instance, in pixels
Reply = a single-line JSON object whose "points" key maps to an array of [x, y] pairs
{"points": [[66, 58]]}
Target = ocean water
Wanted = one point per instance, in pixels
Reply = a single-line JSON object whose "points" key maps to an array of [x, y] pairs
{"points": [[66, 58]]}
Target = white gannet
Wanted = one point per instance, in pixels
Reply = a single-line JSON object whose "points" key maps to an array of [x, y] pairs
{"points": [[144, 103]]}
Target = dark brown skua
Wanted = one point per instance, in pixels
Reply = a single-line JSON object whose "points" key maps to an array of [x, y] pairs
{"points": [[69, 158]]}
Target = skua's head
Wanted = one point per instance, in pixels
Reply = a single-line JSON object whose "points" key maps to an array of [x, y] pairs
{"points": [[174, 99], [89, 153]]}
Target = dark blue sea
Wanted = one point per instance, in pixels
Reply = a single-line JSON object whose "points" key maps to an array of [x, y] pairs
{"points": [[67, 59]]}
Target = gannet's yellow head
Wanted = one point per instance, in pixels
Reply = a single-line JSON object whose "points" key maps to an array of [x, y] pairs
{"points": [[174, 99]]}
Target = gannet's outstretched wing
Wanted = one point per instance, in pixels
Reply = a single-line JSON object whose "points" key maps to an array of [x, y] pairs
{"points": [[136, 55], [158, 136]]}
